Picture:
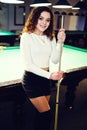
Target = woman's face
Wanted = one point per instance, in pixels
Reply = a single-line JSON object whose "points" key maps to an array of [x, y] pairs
{"points": [[43, 22]]}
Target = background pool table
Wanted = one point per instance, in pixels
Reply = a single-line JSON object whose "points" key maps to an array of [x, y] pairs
{"points": [[8, 37], [76, 38]]}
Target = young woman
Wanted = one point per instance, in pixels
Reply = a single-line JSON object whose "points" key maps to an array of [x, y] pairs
{"points": [[38, 46]]}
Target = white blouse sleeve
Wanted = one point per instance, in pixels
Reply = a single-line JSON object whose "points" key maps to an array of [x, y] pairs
{"points": [[25, 42], [55, 55]]}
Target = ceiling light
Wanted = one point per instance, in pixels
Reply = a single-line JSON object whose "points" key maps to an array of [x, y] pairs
{"points": [[12, 1], [40, 3], [62, 4], [80, 5]]}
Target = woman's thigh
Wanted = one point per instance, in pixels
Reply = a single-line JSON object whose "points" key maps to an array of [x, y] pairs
{"points": [[41, 103], [48, 98]]}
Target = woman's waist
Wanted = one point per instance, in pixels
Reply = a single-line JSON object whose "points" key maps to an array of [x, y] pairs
{"points": [[46, 68]]}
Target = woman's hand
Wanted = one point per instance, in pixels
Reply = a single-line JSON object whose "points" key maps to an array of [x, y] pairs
{"points": [[57, 75], [61, 35]]}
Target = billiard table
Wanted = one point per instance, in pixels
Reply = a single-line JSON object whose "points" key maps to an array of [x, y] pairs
{"points": [[75, 38], [8, 37], [73, 62]]}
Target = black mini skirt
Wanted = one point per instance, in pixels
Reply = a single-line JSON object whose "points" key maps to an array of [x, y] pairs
{"points": [[35, 86]]}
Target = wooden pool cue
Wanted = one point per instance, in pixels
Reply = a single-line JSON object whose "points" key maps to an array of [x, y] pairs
{"points": [[59, 81]]}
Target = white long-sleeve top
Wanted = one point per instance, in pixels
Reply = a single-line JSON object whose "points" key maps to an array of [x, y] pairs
{"points": [[37, 51]]}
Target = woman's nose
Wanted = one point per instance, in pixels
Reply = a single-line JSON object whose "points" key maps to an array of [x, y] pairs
{"points": [[44, 21]]}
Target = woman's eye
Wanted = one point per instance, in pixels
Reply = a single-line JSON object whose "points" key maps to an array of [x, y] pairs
{"points": [[48, 20], [40, 18]]}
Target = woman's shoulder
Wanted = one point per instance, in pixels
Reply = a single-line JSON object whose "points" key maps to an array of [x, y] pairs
{"points": [[26, 34]]}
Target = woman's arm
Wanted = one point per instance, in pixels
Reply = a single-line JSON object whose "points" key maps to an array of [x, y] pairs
{"points": [[56, 46]]}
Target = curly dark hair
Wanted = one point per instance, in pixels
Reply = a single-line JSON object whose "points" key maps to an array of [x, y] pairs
{"points": [[33, 19]]}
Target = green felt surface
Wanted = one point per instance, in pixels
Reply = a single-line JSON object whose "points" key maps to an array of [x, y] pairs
{"points": [[6, 33], [11, 67]]}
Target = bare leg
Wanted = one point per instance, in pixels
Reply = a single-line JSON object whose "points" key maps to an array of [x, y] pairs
{"points": [[48, 98], [41, 103], [43, 116]]}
